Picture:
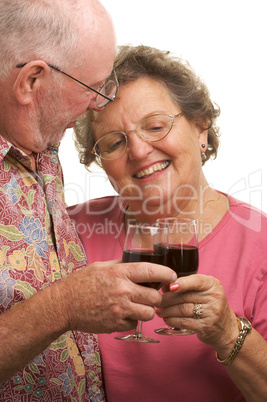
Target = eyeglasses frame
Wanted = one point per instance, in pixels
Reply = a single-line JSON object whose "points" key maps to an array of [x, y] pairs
{"points": [[82, 83], [173, 117]]}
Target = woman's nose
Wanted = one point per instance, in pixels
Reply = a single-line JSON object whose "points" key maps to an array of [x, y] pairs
{"points": [[137, 147]]}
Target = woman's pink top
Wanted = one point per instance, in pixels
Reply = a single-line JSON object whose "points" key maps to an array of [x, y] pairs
{"points": [[180, 368]]}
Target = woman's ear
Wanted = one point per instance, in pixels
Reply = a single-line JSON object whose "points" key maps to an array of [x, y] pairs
{"points": [[29, 80], [202, 136]]}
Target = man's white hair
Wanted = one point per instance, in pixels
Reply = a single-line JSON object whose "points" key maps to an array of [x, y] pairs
{"points": [[43, 29]]}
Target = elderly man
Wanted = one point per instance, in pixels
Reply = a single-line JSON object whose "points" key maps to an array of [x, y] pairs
{"points": [[55, 58]]}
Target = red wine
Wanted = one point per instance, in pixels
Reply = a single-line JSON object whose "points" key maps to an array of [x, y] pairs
{"points": [[183, 260], [156, 257]]}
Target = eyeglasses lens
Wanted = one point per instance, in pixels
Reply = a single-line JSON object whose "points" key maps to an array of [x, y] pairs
{"points": [[151, 129], [109, 89], [154, 128], [112, 146]]}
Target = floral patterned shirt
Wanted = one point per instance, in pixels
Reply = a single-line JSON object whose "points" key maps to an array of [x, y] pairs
{"points": [[38, 246]]}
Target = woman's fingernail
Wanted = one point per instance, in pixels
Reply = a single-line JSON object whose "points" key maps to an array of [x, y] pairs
{"points": [[174, 287]]}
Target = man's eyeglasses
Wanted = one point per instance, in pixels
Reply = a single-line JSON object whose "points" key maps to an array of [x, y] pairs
{"points": [[106, 93], [151, 129]]}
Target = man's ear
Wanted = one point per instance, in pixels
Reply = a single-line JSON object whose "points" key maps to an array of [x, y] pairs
{"points": [[29, 80]]}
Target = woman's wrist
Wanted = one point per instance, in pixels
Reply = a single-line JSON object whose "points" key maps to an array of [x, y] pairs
{"points": [[227, 340], [244, 327]]}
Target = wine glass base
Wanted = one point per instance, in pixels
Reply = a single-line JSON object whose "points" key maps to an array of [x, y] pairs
{"points": [[174, 331], [136, 338]]}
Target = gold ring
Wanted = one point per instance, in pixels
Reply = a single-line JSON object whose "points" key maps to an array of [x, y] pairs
{"points": [[197, 311]]}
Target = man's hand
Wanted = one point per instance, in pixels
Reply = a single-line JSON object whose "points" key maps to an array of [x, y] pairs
{"points": [[108, 297]]}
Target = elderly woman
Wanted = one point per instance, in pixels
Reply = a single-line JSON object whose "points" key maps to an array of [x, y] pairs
{"points": [[152, 142]]}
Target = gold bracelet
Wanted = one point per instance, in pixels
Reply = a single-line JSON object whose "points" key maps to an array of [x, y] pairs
{"points": [[244, 326]]}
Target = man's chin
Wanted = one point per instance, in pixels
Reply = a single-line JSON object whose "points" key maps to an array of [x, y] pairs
{"points": [[71, 125], [52, 141]]}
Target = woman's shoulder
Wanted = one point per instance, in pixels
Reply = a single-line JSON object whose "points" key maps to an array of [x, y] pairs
{"points": [[243, 223], [244, 205], [109, 206], [247, 215]]}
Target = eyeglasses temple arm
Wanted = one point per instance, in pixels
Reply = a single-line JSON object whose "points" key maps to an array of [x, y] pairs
{"points": [[70, 76]]}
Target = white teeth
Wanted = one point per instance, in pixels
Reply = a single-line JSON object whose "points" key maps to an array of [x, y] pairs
{"points": [[152, 169]]}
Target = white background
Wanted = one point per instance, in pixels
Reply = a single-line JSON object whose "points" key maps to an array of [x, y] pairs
{"points": [[225, 43]]}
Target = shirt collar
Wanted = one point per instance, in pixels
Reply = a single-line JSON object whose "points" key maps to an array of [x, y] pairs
{"points": [[4, 147], [7, 148]]}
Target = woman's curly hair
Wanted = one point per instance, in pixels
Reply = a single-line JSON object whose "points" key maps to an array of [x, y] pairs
{"points": [[188, 91]]}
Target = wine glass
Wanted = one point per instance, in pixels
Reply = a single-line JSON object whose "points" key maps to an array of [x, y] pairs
{"points": [[182, 255], [144, 243]]}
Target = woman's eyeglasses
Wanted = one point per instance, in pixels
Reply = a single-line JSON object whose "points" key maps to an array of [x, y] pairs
{"points": [[151, 129]]}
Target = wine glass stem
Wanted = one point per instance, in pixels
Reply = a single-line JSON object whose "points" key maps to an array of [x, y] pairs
{"points": [[138, 329]]}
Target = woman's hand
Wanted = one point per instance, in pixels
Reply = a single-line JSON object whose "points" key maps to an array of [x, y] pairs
{"points": [[217, 325]]}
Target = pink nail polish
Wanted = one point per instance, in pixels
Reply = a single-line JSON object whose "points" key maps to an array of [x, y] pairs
{"points": [[174, 287]]}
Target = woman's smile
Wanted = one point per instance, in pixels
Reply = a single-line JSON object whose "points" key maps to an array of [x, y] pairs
{"points": [[151, 170]]}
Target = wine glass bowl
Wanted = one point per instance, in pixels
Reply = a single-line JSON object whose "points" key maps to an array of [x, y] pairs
{"points": [[144, 243], [182, 255]]}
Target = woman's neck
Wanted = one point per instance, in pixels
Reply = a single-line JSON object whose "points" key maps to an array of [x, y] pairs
{"points": [[207, 207], [187, 201]]}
